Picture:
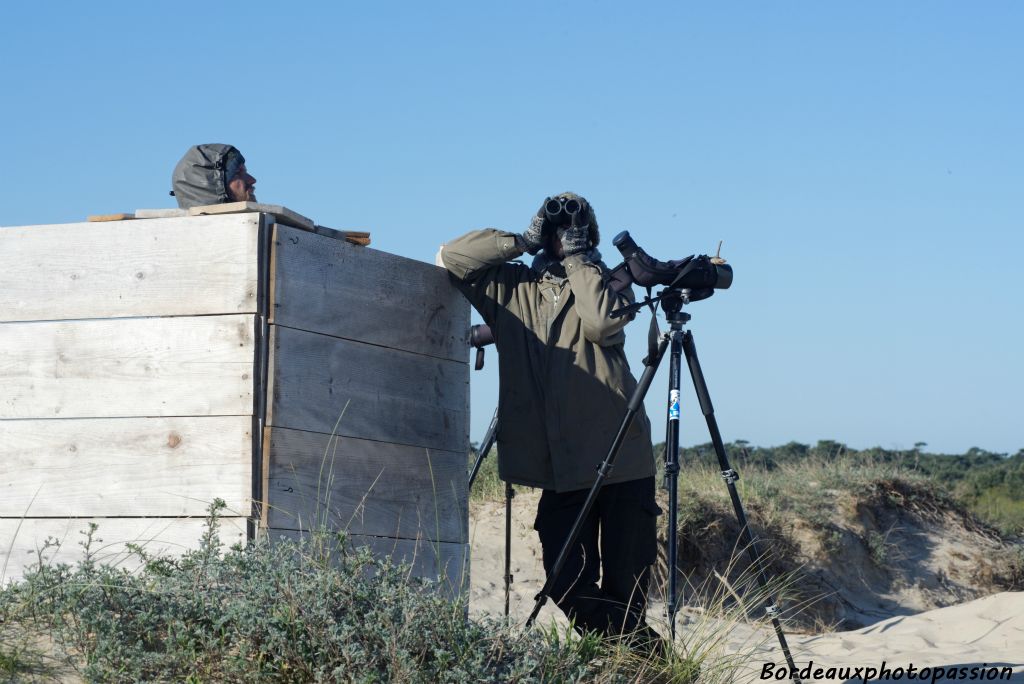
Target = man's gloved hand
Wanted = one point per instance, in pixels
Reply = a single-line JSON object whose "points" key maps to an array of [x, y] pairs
{"points": [[575, 239], [533, 237]]}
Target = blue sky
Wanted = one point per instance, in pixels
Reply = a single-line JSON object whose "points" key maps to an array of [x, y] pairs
{"points": [[863, 162]]}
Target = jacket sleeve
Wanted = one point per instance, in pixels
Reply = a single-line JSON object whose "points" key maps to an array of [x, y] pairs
{"points": [[478, 264], [595, 299]]}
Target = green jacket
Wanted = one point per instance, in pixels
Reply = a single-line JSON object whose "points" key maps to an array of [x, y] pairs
{"points": [[564, 379]]}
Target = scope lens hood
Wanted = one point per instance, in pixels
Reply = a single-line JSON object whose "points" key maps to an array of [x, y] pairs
{"points": [[724, 280]]}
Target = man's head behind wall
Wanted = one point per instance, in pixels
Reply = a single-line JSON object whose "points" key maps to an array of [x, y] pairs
{"points": [[212, 174]]}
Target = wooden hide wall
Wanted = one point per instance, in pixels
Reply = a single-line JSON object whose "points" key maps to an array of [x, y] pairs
{"points": [[126, 382], [150, 366], [367, 415]]}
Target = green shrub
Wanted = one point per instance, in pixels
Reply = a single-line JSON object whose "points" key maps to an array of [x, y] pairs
{"points": [[287, 611]]}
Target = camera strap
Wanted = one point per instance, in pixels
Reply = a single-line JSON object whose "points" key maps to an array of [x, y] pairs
{"points": [[653, 333]]}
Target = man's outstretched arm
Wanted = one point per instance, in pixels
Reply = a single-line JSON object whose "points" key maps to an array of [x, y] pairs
{"points": [[471, 255], [478, 263]]}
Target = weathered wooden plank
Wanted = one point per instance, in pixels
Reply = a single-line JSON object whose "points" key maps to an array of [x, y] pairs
{"points": [[282, 214], [135, 467], [332, 287], [442, 562], [21, 540], [188, 366], [356, 237], [100, 218], [365, 487], [159, 213], [390, 395], [158, 267]]}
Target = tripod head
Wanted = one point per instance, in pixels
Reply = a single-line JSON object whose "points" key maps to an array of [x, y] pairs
{"points": [[672, 302], [671, 299]]}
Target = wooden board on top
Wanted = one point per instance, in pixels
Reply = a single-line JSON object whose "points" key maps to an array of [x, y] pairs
{"points": [[159, 213], [100, 218], [283, 214]]}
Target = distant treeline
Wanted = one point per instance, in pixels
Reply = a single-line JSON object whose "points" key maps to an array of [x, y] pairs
{"points": [[989, 483]]}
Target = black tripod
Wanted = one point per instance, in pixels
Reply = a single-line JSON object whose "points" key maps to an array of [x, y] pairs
{"points": [[480, 336], [485, 448], [681, 343]]}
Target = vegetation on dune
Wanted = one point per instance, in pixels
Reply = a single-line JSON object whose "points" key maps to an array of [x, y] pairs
{"points": [[991, 485], [287, 611], [487, 486], [848, 523], [835, 522], [313, 610]]}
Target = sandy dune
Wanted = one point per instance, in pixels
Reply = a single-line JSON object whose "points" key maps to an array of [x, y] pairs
{"points": [[987, 632]]}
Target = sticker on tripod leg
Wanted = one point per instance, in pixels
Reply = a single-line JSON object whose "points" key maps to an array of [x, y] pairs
{"points": [[673, 405]]}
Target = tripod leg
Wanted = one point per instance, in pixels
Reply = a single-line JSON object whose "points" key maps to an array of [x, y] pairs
{"points": [[635, 402], [509, 494], [485, 448], [672, 480], [730, 476]]}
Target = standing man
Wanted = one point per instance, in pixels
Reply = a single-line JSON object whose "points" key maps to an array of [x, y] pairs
{"points": [[212, 174], [564, 386]]}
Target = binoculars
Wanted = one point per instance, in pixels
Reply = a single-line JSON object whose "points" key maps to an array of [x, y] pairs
{"points": [[561, 210]]}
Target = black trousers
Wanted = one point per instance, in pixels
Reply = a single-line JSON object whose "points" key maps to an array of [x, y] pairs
{"points": [[617, 545]]}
